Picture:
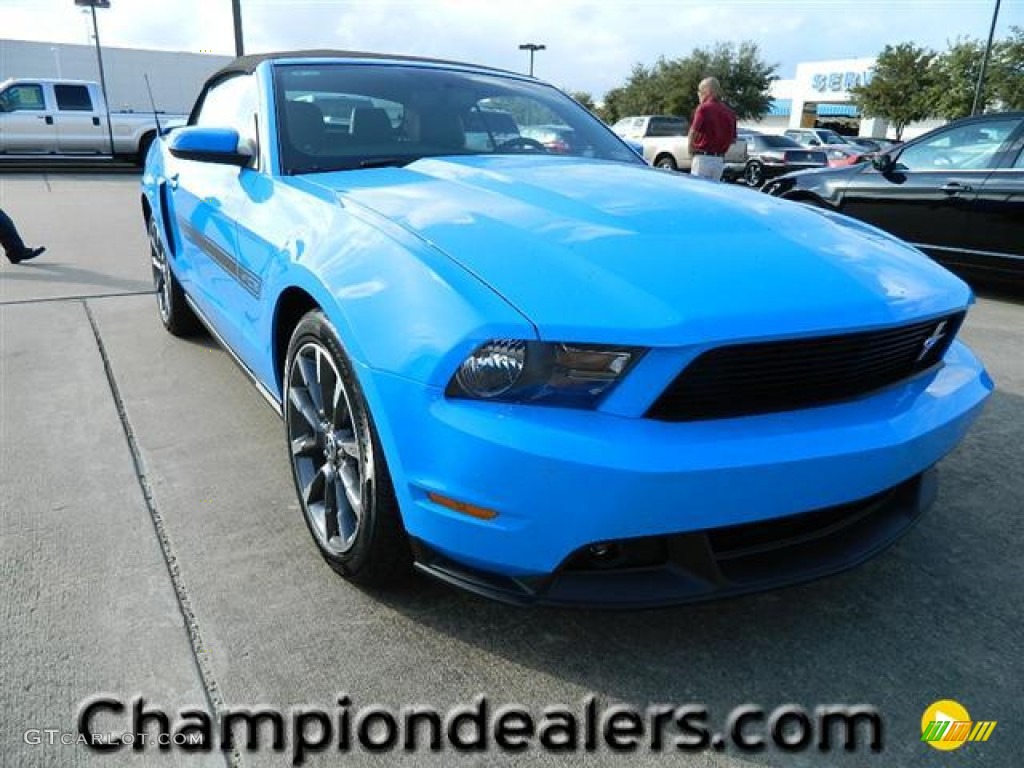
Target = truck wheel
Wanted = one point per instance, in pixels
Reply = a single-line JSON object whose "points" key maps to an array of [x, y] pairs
{"points": [[175, 313], [666, 161]]}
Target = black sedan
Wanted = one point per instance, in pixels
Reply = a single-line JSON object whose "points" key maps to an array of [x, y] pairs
{"points": [[957, 193], [771, 156]]}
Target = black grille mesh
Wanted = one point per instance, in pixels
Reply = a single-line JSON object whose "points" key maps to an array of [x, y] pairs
{"points": [[767, 377]]}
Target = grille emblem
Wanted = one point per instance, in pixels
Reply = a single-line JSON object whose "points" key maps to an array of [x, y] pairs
{"points": [[937, 335]]}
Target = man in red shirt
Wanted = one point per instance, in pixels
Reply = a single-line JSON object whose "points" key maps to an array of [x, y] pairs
{"points": [[712, 131]]}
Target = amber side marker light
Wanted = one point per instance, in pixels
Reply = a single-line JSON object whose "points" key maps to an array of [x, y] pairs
{"points": [[461, 506]]}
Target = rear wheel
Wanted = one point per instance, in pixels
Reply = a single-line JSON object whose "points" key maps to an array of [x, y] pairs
{"points": [[175, 313], [753, 173], [666, 161], [339, 469]]}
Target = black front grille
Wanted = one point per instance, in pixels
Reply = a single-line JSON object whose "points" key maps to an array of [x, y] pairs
{"points": [[768, 377]]}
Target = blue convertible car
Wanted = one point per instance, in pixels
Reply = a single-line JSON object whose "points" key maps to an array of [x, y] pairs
{"points": [[549, 377]]}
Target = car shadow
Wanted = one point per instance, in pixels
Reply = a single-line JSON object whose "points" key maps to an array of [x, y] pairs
{"points": [[934, 616], [43, 271]]}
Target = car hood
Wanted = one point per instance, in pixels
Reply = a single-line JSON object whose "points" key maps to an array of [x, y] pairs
{"points": [[602, 251]]}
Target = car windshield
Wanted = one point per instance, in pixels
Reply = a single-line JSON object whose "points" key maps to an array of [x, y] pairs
{"points": [[768, 141], [397, 114], [831, 137]]}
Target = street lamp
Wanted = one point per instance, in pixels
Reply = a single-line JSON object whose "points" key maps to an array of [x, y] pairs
{"points": [[236, 13], [984, 61], [92, 5], [532, 48]]}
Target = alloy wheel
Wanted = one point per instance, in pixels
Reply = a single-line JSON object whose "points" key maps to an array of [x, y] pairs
{"points": [[161, 276], [330, 448]]}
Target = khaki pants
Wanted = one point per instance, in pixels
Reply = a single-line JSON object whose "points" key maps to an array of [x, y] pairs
{"points": [[708, 166]]}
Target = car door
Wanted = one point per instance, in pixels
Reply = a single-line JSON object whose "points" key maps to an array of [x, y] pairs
{"points": [[998, 218], [26, 123], [928, 195], [248, 202], [79, 127], [205, 198]]}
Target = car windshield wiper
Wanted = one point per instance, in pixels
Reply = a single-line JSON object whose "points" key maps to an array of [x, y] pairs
{"points": [[384, 162]]}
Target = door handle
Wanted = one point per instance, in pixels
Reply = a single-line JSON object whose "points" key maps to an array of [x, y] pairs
{"points": [[96, 122], [172, 181], [47, 118], [955, 188]]}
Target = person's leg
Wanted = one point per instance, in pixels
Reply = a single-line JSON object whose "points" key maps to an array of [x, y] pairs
{"points": [[14, 246], [699, 166], [9, 238], [708, 167], [715, 166]]}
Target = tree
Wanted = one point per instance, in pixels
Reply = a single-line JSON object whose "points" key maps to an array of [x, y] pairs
{"points": [[1006, 82], [955, 73], [901, 87], [584, 99], [670, 85]]}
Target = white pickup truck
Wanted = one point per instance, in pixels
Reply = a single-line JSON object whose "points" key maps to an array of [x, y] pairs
{"points": [[664, 138], [68, 119]]}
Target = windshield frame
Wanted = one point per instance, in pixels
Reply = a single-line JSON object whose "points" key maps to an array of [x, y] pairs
{"points": [[422, 89]]}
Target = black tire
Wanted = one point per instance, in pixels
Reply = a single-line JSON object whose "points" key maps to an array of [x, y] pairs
{"points": [[666, 161], [144, 144], [753, 174], [175, 313], [340, 473]]}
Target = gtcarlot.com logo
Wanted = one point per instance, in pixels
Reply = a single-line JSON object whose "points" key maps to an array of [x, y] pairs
{"points": [[946, 726]]}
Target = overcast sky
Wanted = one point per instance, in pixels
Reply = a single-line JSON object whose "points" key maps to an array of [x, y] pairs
{"points": [[590, 45]]}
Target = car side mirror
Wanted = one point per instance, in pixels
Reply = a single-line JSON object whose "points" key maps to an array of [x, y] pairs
{"points": [[211, 145], [883, 163]]}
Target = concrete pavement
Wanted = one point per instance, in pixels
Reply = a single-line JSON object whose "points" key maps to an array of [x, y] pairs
{"points": [[151, 543]]}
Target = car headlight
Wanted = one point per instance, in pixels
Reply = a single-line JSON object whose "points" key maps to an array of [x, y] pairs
{"points": [[541, 373]]}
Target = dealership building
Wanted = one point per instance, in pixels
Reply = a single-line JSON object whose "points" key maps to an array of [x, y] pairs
{"points": [[819, 96], [174, 76]]}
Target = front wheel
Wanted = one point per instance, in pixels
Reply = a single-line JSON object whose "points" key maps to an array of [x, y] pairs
{"points": [[175, 313], [339, 469]]}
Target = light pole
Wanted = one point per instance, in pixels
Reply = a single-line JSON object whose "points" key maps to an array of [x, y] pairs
{"points": [[984, 61], [236, 12], [92, 5], [532, 48]]}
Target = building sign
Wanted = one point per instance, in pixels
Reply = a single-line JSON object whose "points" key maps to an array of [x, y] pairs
{"points": [[839, 81]]}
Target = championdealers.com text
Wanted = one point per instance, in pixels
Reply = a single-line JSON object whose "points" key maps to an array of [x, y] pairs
{"points": [[109, 724]]}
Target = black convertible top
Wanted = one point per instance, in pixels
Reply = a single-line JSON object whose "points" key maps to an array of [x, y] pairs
{"points": [[248, 64]]}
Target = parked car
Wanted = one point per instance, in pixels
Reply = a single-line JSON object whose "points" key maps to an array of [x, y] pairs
{"points": [[818, 137], [68, 118], [665, 143], [772, 156], [864, 143], [538, 375], [840, 157], [886, 143], [489, 128], [956, 193], [554, 138]]}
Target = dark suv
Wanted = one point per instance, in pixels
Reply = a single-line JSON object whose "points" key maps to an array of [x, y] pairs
{"points": [[957, 193]]}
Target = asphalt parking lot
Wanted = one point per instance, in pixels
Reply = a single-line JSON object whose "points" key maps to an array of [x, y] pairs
{"points": [[151, 544]]}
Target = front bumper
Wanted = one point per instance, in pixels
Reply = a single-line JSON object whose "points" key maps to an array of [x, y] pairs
{"points": [[562, 480], [722, 562]]}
